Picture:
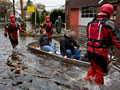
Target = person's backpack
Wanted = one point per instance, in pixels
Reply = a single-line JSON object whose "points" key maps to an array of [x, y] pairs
{"points": [[95, 33]]}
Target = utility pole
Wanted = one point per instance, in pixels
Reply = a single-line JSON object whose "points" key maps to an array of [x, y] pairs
{"points": [[23, 24], [22, 12], [13, 7], [35, 15]]}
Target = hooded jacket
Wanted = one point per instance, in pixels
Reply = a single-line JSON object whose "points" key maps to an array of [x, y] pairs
{"points": [[67, 43], [48, 26], [43, 40]]}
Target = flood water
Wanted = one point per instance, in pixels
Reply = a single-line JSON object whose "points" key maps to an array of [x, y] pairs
{"points": [[24, 70]]}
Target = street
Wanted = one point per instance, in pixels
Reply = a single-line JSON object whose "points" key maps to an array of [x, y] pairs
{"points": [[24, 70]]}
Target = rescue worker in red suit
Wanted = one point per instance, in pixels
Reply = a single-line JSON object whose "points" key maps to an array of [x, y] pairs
{"points": [[11, 29], [48, 27], [101, 33]]}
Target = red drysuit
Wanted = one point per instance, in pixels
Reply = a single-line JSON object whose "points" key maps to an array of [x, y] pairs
{"points": [[11, 29], [48, 27], [101, 34]]}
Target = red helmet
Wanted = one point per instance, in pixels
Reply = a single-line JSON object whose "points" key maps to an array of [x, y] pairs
{"points": [[12, 16], [47, 17], [107, 8], [102, 14]]}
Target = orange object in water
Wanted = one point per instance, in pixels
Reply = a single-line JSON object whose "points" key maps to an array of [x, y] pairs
{"points": [[34, 46]]}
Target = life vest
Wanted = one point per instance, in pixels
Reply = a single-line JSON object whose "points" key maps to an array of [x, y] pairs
{"points": [[12, 28], [48, 27], [95, 34]]}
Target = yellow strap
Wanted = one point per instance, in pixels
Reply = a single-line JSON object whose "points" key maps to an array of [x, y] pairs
{"points": [[6, 27]]}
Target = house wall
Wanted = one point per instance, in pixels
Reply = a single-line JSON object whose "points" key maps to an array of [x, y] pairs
{"points": [[83, 21], [70, 13], [28, 14], [117, 21], [74, 18]]}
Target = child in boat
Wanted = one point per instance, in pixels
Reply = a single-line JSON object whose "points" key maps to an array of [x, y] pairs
{"points": [[67, 48], [45, 43]]}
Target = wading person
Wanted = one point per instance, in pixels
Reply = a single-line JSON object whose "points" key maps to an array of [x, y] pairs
{"points": [[58, 24], [48, 27], [11, 29], [67, 46], [45, 43], [101, 33]]}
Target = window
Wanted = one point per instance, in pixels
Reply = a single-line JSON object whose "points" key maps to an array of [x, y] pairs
{"points": [[113, 17], [88, 12], [115, 9]]}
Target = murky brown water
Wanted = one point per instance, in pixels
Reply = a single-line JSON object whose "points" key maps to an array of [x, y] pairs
{"points": [[24, 70]]}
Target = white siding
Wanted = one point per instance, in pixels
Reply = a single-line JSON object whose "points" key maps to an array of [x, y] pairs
{"points": [[83, 21]]}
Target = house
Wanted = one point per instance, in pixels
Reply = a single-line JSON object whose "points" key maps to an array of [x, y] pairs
{"points": [[80, 12], [28, 14]]}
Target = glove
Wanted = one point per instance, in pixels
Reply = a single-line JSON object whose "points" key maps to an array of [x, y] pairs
{"points": [[51, 32], [23, 31], [5, 35]]}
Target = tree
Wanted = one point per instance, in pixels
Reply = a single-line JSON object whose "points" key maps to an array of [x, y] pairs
{"points": [[29, 3], [37, 18], [54, 15], [5, 6], [43, 15], [40, 6]]}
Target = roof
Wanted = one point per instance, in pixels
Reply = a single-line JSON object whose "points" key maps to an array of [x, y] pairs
{"points": [[84, 3]]}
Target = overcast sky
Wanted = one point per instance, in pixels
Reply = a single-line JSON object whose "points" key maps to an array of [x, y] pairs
{"points": [[50, 4]]}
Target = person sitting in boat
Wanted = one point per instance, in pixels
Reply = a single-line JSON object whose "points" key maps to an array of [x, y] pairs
{"points": [[67, 46], [45, 43]]}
